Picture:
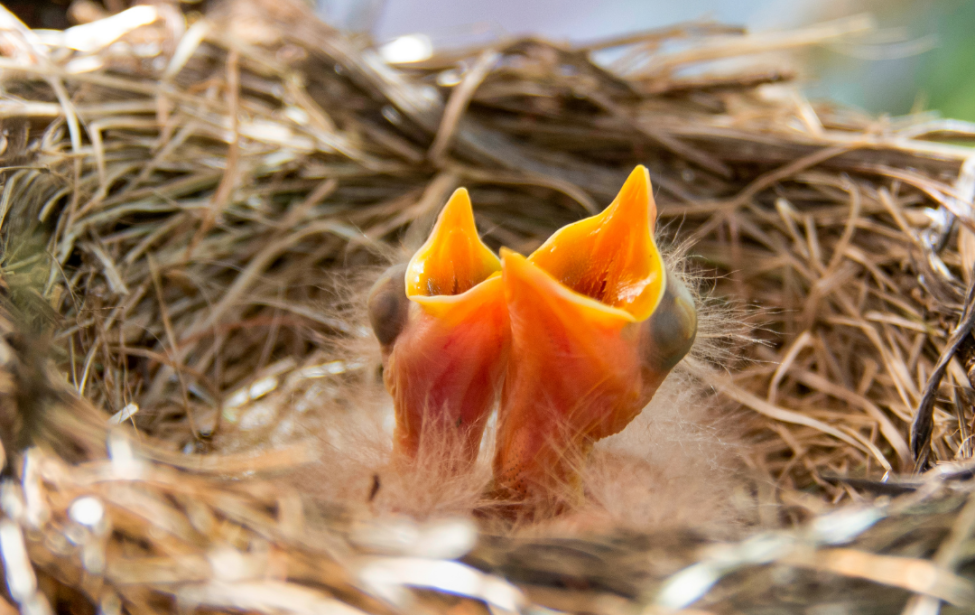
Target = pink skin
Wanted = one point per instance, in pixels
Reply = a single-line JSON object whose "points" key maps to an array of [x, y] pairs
{"points": [[572, 379], [445, 372]]}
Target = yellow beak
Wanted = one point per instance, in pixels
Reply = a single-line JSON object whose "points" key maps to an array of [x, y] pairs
{"points": [[452, 261], [443, 327], [596, 324]]}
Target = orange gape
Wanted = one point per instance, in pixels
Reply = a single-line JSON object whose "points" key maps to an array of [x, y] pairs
{"points": [[443, 327], [596, 325]]}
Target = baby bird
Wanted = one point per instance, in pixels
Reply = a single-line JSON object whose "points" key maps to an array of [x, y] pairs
{"points": [[443, 330], [597, 323], [577, 338]]}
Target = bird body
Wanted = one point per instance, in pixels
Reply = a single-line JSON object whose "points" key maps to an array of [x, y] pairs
{"points": [[443, 328], [459, 358]]}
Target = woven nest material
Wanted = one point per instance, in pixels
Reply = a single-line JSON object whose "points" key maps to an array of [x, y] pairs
{"points": [[183, 202]]}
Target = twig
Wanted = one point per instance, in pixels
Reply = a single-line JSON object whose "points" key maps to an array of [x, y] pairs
{"points": [[923, 424]]}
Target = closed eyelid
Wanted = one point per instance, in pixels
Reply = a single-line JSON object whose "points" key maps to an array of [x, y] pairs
{"points": [[388, 305]]}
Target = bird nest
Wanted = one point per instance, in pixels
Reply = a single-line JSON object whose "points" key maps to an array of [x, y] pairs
{"points": [[190, 207]]}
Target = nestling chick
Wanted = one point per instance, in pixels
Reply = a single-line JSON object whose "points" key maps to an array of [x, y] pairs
{"points": [[597, 323], [594, 323], [443, 328]]}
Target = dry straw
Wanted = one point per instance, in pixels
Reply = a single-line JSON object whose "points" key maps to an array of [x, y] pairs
{"points": [[181, 199]]}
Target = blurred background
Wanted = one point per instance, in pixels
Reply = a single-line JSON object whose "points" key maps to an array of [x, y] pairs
{"points": [[921, 56]]}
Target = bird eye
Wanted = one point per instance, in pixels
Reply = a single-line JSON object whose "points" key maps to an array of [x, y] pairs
{"points": [[388, 305], [669, 333]]}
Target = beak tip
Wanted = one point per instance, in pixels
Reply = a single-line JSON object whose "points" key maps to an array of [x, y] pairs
{"points": [[638, 182], [458, 211], [512, 263], [509, 254], [635, 199]]}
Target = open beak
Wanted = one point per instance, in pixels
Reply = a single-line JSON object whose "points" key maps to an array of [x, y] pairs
{"points": [[443, 327], [596, 325]]}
